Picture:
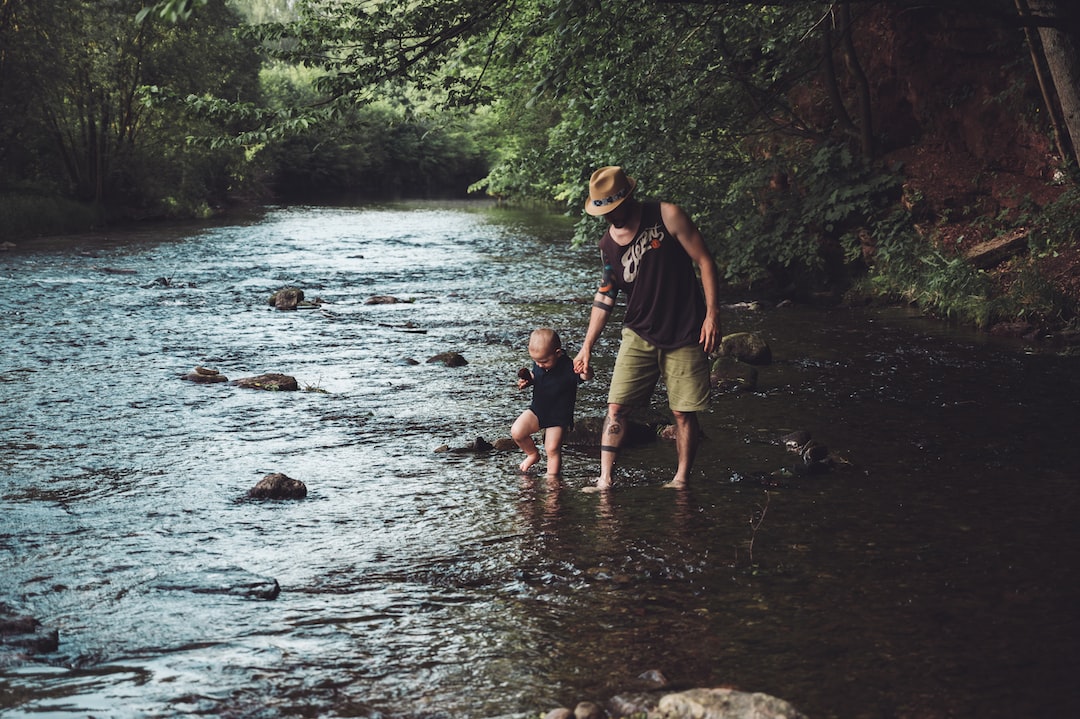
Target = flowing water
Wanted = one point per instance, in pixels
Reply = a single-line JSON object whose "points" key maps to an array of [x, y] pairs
{"points": [[930, 573]]}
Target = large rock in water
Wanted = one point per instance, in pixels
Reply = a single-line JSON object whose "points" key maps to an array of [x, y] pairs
{"points": [[725, 704], [287, 298], [272, 381], [450, 359], [586, 433], [278, 486], [748, 347]]}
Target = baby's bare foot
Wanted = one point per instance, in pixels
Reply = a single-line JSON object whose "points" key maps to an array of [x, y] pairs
{"points": [[529, 461]]}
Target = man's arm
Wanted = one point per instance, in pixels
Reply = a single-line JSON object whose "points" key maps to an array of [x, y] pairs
{"points": [[686, 232], [598, 317]]}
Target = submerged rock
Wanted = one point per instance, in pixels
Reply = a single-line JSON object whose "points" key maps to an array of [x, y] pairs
{"points": [[22, 636], [233, 581], [729, 374], [477, 445]]}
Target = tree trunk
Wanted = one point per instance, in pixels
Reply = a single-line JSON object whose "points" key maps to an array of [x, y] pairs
{"points": [[1046, 84], [862, 84], [832, 86], [1064, 65]]}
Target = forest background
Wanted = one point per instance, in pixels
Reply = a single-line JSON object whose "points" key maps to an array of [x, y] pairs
{"points": [[874, 150]]}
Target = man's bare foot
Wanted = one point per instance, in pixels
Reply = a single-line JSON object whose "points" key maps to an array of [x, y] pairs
{"points": [[529, 461], [602, 485], [676, 483]]}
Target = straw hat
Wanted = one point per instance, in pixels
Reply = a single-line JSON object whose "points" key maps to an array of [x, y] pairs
{"points": [[608, 187]]}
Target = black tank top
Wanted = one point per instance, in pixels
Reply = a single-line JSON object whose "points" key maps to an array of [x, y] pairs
{"points": [[664, 301]]}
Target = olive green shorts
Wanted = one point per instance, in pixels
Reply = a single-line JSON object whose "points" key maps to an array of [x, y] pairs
{"points": [[640, 364]]}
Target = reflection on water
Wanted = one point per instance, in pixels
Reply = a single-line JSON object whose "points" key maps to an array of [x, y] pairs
{"points": [[928, 575]]}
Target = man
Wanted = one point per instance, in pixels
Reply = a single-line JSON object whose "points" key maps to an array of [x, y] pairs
{"points": [[670, 326]]}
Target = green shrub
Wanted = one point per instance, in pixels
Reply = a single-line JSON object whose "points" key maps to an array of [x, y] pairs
{"points": [[30, 215]]}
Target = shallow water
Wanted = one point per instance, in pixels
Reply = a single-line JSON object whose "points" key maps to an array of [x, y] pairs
{"points": [[931, 573]]}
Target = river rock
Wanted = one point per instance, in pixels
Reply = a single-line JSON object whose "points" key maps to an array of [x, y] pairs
{"points": [[288, 298], [586, 433], [560, 713], [795, 441], [748, 347], [204, 375], [382, 300], [816, 457], [729, 374], [477, 445], [589, 710], [278, 486], [22, 636], [233, 581], [450, 359], [271, 381], [725, 704], [632, 705]]}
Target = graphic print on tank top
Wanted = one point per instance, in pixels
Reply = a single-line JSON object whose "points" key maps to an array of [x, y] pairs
{"points": [[648, 239]]}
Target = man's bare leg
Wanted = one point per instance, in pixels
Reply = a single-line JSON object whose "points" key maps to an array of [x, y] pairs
{"points": [[687, 441], [611, 437]]}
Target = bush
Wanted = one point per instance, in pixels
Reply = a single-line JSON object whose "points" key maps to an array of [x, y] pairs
{"points": [[25, 215]]}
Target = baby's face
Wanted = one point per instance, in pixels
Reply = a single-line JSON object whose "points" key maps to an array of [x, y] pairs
{"points": [[544, 357]]}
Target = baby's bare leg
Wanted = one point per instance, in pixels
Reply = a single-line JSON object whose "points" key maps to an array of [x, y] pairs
{"points": [[553, 437], [521, 431]]}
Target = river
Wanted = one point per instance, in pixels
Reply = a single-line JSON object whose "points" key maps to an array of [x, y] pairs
{"points": [[930, 573]]}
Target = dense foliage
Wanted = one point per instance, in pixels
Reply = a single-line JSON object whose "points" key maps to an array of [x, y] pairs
{"points": [[757, 117], [75, 124]]}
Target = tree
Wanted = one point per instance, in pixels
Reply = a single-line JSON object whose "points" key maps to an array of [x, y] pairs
{"points": [[1057, 64], [77, 72]]}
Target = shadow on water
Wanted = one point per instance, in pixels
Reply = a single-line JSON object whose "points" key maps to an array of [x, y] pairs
{"points": [[927, 574]]}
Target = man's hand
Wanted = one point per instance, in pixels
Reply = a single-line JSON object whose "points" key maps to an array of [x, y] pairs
{"points": [[581, 363], [710, 334]]}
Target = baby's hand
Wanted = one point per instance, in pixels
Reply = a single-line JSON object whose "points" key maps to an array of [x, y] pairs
{"points": [[525, 378]]}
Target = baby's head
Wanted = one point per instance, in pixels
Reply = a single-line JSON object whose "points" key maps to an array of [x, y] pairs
{"points": [[545, 347]]}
